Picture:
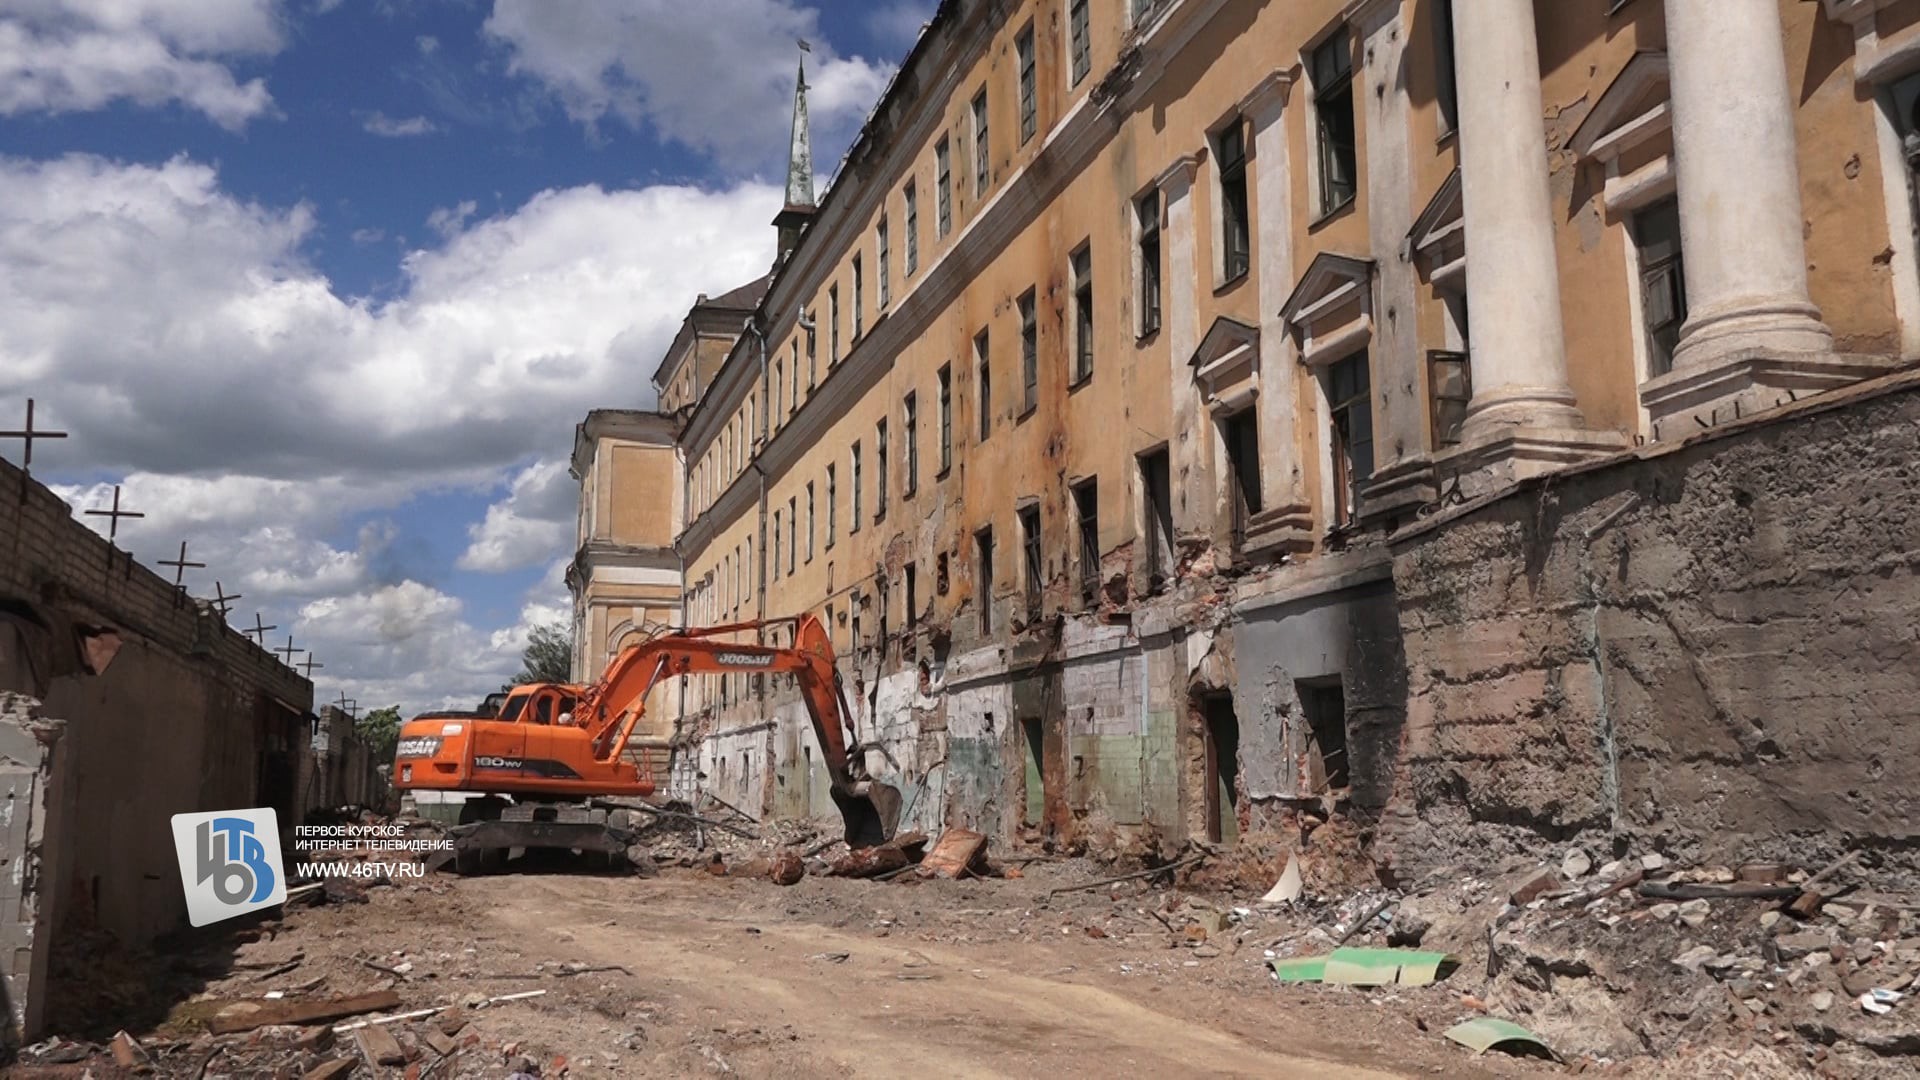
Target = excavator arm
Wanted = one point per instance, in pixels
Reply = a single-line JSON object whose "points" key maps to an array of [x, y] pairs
{"points": [[611, 708]]}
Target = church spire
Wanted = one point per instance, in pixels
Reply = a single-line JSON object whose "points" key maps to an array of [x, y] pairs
{"points": [[800, 204]]}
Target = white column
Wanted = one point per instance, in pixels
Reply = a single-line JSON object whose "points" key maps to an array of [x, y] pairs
{"points": [[1187, 440], [1282, 471], [1735, 155], [1518, 341]]}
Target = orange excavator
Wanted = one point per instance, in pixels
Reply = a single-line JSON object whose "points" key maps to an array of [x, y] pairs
{"points": [[550, 769]]}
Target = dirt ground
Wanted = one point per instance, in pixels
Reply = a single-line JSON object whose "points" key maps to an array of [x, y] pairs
{"points": [[830, 977]]}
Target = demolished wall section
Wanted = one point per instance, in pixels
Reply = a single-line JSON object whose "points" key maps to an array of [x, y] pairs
{"points": [[1707, 648]]}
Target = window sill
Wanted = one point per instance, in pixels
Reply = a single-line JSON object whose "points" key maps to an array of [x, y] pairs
{"points": [[943, 474], [1335, 213], [1146, 335], [1079, 382], [1447, 136], [1026, 412], [1232, 283]]}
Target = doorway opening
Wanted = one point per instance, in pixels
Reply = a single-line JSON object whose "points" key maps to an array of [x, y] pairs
{"points": [[1036, 808], [1221, 729], [1325, 705]]}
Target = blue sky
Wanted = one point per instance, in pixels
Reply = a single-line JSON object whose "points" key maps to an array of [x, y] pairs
{"points": [[325, 283]]}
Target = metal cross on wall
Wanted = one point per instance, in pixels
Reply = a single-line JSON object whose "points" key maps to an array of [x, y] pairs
{"points": [[309, 665], [350, 706], [221, 600], [27, 435], [114, 515], [258, 631], [288, 650], [180, 566]]}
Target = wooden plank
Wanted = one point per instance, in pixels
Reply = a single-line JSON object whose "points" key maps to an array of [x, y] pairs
{"points": [[304, 1012], [379, 1047]]}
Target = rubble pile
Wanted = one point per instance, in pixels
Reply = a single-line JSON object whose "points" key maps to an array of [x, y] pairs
{"points": [[1614, 962]]}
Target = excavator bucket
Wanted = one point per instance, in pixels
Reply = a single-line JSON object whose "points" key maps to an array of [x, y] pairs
{"points": [[871, 812]]}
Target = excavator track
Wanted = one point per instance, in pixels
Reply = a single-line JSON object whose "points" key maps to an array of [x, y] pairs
{"points": [[492, 829]]}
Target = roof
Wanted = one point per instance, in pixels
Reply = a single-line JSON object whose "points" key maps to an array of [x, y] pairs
{"points": [[724, 311]]}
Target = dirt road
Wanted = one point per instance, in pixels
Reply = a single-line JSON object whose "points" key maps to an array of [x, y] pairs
{"points": [[693, 974]]}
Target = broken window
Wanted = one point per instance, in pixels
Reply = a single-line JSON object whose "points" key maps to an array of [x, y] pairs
{"points": [[833, 324], [946, 417], [1029, 110], [983, 594], [1156, 490], [883, 277], [941, 579], [853, 515], [1663, 286], [980, 143], [911, 196], [910, 435], [880, 471], [1029, 354], [1241, 434], [1333, 110], [1086, 506], [812, 362], [1446, 87], [1030, 546], [1083, 314], [1350, 406], [1325, 705], [983, 405], [913, 594], [810, 521], [779, 387], [776, 544], [859, 299], [832, 498], [884, 601], [1236, 229], [1450, 387], [1144, 8], [943, 187], [793, 533], [1147, 212], [1081, 37]]}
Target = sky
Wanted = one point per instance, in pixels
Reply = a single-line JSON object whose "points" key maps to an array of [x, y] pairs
{"points": [[325, 285]]}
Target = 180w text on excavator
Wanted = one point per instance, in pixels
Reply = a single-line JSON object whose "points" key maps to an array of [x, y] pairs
{"points": [[550, 770]]}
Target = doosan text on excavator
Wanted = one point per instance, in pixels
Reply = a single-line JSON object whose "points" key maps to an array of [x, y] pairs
{"points": [[550, 769]]}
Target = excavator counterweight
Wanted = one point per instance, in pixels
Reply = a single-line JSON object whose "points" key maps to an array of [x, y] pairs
{"points": [[545, 771]]}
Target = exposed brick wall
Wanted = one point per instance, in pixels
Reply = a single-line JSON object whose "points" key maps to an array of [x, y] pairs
{"points": [[1709, 648], [188, 715]]}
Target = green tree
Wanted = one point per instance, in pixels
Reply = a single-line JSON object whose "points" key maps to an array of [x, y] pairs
{"points": [[380, 730], [548, 657]]}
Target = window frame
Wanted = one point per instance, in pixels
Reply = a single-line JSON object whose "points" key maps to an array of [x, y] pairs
{"points": [[812, 521], [982, 144], [859, 298], [833, 323], [910, 440], [1234, 260], [854, 479], [1033, 556], [882, 256], [1446, 70], [1086, 511], [1341, 444], [983, 390], [833, 499], [943, 187], [1079, 42], [1151, 278], [944, 382], [1027, 82], [1331, 89], [1028, 306], [880, 469], [983, 551], [910, 258], [1080, 274]]}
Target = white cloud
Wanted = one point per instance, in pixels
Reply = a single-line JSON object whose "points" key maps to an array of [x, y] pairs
{"points": [[427, 44], [448, 220], [898, 22], [530, 524], [78, 55], [249, 408], [395, 128], [716, 76]]}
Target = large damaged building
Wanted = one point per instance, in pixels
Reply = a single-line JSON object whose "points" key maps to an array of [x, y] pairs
{"points": [[1190, 416]]}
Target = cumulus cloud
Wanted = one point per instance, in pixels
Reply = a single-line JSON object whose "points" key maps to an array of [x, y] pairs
{"points": [[530, 524], [651, 63], [247, 406], [76, 55], [395, 128]]}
